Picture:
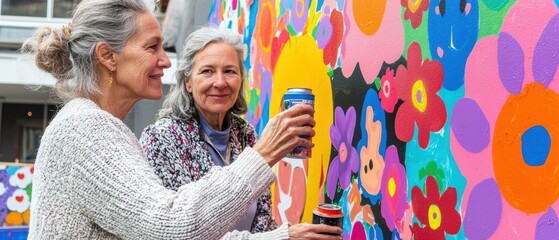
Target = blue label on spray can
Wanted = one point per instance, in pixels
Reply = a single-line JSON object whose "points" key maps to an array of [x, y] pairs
{"points": [[293, 97]]}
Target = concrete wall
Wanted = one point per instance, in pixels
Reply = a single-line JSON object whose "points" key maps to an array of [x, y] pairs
{"points": [[436, 119]]}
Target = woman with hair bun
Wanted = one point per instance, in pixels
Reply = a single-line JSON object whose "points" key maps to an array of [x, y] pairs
{"points": [[91, 179]]}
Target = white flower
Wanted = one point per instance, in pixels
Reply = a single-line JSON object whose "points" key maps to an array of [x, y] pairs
{"points": [[19, 201], [22, 177]]}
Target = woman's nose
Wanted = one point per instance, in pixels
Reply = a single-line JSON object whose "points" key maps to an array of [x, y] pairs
{"points": [[164, 61], [220, 80]]}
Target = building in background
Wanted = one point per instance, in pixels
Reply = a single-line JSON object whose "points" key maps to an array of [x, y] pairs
{"points": [[24, 113]]}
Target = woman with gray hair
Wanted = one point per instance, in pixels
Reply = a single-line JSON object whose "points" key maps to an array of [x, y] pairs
{"points": [[199, 130], [91, 178]]}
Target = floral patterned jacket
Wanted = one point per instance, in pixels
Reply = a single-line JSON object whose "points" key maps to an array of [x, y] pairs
{"points": [[179, 155]]}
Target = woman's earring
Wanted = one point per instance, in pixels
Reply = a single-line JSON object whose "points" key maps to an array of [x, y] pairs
{"points": [[110, 78]]}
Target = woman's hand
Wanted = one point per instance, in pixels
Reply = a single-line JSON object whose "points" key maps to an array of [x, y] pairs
{"points": [[314, 231], [282, 133]]}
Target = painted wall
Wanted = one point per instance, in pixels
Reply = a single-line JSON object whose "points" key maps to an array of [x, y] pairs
{"points": [[437, 119], [15, 195]]}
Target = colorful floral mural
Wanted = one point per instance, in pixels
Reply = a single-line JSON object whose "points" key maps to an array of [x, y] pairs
{"points": [[435, 119], [15, 195]]}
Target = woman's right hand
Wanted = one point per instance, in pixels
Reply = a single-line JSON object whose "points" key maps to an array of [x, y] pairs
{"points": [[282, 133], [314, 231]]}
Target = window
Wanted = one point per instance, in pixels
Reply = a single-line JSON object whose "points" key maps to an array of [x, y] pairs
{"points": [[25, 8], [63, 8], [19, 18], [38, 8], [21, 128]]}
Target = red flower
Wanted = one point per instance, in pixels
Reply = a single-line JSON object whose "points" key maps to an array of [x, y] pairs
{"points": [[436, 213], [417, 86], [414, 11], [331, 49]]}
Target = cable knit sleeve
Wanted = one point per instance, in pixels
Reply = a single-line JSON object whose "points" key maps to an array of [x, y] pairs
{"points": [[114, 186], [263, 219], [277, 234]]}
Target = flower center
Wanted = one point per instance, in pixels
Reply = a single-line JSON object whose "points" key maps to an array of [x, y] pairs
{"points": [[419, 96], [386, 88], [434, 217], [343, 152], [299, 8], [391, 187], [413, 5]]}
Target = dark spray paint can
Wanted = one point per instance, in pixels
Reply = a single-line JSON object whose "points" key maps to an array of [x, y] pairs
{"points": [[328, 214]]}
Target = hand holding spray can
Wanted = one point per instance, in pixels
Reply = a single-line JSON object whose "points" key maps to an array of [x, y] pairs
{"points": [[328, 214], [292, 97]]}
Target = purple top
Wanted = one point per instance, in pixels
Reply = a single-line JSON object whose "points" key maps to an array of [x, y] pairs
{"points": [[217, 142]]}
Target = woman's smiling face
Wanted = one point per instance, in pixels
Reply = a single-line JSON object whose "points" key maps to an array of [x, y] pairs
{"points": [[216, 80], [140, 65]]}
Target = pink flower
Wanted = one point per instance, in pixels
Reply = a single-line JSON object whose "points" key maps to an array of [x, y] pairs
{"points": [[388, 93]]}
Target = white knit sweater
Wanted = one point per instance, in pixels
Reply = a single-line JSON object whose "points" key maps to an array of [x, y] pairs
{"points": [[92, 181]]}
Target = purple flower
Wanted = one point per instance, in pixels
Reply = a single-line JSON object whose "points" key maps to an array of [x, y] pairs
{"points": [[324, 32], [299, 14], [394, 188], [346, 162]]}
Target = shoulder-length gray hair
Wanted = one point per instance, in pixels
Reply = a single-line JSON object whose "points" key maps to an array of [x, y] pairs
{"points": [[179, 103]]}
